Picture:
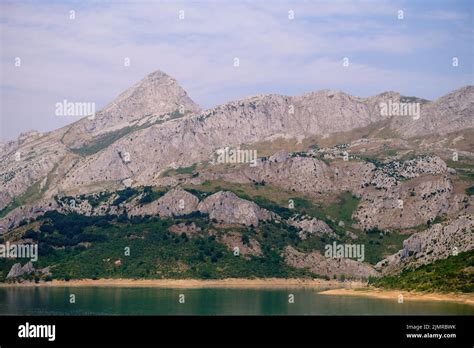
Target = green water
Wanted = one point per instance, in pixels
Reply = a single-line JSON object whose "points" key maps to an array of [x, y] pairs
{"points": [[152, 301]]}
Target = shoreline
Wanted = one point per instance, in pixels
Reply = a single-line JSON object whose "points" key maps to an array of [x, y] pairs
{"points": [[329, 287], [465, 298], [258, 283]]}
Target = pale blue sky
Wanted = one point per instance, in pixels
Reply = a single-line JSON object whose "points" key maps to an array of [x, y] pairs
{"points": [[82, 59]]}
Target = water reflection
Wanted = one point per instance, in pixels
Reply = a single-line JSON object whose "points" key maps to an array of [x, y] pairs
{"points": [[152, 301]]}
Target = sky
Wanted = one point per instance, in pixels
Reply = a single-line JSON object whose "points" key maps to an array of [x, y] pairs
{"points": [[284, 47]]}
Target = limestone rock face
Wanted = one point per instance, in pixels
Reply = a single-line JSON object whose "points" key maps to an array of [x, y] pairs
{"points": [[227, 207], [184, 141], [326, 266], [312, 227], [397, 207], [278, 157], [422, 166], [154, 126], [175, 202], [450, 113], [17, 271], [438, 242], [27, 163], [140, 135], [28, 268], [135, 148], [303, 174], [30, 211], [406, 194], [156, 94], [392, 195]]}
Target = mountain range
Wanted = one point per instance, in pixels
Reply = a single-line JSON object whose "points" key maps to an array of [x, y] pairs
{"points": [[330, 167]]}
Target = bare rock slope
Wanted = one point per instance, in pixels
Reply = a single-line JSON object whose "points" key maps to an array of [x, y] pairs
{"points": [[154, 126], [438, 242]]}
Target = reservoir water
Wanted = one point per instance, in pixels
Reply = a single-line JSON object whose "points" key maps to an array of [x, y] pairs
{"points": [[218, 301]]}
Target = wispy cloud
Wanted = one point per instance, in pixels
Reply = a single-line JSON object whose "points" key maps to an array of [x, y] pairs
{"points": [[82, 59], [447, 15]]}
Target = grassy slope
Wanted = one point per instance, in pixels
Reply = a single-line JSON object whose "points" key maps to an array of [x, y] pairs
{"points": [[103, 141]]}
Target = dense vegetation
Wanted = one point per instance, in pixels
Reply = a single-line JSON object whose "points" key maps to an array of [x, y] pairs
{"points": [[454, 274], [77, 246]]}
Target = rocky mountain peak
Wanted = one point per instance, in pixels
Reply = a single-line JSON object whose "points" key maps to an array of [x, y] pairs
{"points": [[157, 93], [449, 113], [25, 136], [463, 91]]}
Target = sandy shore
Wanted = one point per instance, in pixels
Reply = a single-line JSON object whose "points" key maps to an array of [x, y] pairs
{"points": [[407, 295], [195, 283]]}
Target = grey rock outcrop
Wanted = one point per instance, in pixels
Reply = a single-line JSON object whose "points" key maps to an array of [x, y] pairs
{"points": [[438, 242], [17, 270], [142, 124], [29, 211], [175, 202], [156, 94], [326, 266], [450, 113], [227, 207], [312, 227]]}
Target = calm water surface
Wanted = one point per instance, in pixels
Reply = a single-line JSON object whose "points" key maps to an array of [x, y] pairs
{"points": [[153, 301]]}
